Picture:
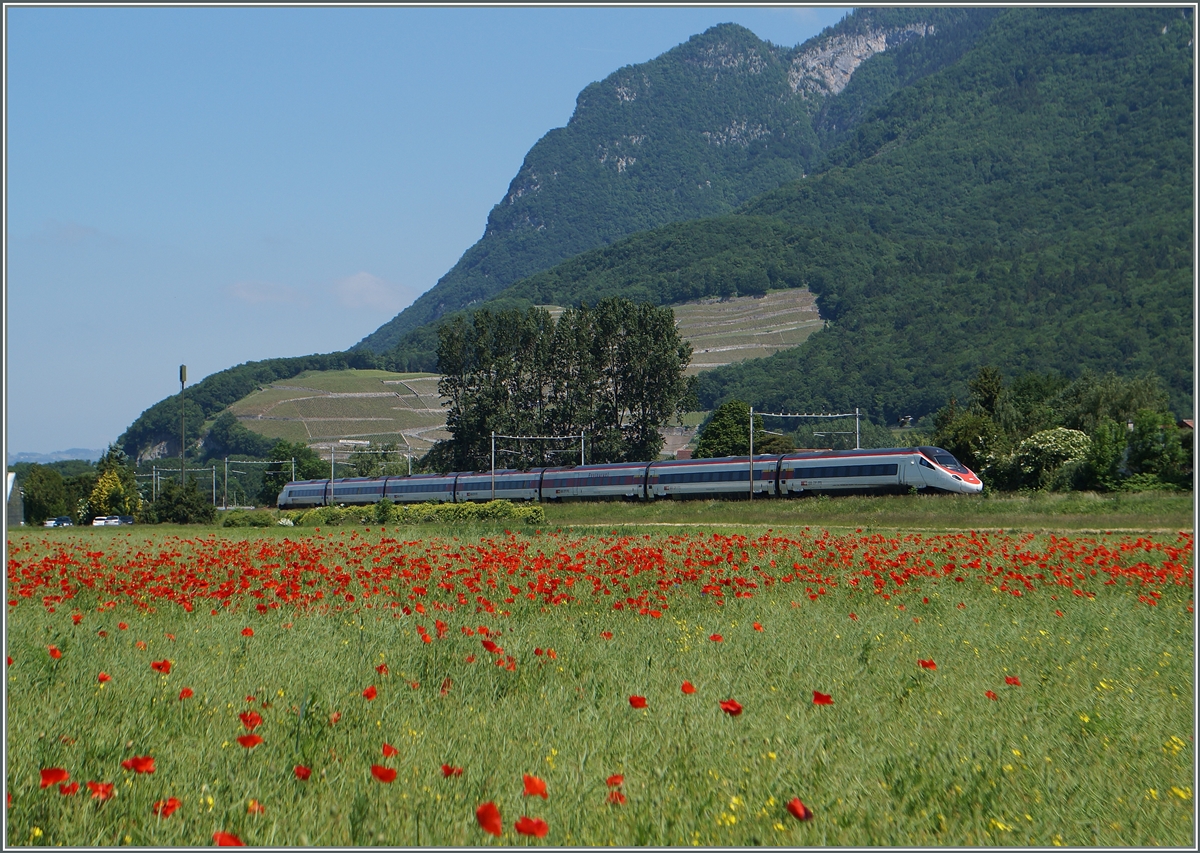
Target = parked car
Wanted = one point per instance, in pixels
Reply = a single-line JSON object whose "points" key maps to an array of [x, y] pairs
{"points": [[102, 520], [64, 521], [124, 519]]}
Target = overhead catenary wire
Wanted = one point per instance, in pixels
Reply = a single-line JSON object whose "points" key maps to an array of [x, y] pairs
{"points": [[855, 414]]}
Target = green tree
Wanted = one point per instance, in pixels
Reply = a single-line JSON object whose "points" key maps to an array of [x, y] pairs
{"points": [[613, 373], [45, 494], [309, 466], [228, 437], [383, 460], [727, 433], [1154, 447], [115, 491], [967, 433], [182, 505], [1109, 441]]}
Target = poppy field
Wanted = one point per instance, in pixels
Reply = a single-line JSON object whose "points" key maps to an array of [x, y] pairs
{"points": [[790, 687]]}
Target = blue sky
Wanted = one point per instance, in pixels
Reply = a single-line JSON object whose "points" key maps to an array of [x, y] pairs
{"points": [[212, 186]]}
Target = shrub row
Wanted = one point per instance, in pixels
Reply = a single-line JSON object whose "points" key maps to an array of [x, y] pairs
{"points": [[386, 512]]}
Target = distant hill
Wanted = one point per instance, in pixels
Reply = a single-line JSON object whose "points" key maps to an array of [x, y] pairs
{"points": [[693, 133], [56, 456]]}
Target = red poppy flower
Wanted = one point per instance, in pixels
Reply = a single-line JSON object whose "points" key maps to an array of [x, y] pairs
{"points": [[163, 666], [10, 660], [757, 627], [1058, 613], [103, 677], [535, 787], [446, 685], [1013, 680], [247, 632], [822, 698], [688, 688], [716, 638], [616, 797], [250, 719], [249, 698], [54, 652], [254, 807], [302, 772], [415, 685], [249, 741], [854, 616], [227, 839], [731, 707], [334, 717], [927, 664], [53, 775], [186, 693], [637, 701], [606, 635], [122, 626], [382, 669], [383, 774], [166, 808], [489, 818], [370, 693], [615, 781], [140, 645], [68, 790], [389, 750], [798, 810], [76, 618], [139, 764], [448, 771], [100, 790], [532, 826], [989, 694]]}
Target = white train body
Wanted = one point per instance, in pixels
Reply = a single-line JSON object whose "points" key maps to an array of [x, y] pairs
{"points": [[880, 470]]}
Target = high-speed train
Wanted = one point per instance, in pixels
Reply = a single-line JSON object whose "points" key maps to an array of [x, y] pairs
{"points": [[895, 469]]}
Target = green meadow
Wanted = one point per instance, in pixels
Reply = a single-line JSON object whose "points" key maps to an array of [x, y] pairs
{"points": [[1087, 741]]}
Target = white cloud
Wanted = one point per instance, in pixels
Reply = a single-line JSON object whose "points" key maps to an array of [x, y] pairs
{"points": [[260, 292], [363, 290]]}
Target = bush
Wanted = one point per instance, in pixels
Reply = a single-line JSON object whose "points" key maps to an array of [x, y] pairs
{"points": [[241, 518], [182, 505]]}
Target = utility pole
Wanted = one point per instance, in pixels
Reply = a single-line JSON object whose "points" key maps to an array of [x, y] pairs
{"points": [[751, 453], [182, 383], [226, 499], [493, 464]]}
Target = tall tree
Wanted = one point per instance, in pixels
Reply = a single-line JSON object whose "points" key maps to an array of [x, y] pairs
{"points": [[613, 373]]}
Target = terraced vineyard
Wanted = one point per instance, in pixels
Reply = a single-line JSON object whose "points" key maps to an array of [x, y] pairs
{"points": [[732, 330], [320, 407]]}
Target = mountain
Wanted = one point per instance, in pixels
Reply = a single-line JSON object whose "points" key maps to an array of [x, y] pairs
{"points": [[55, 456], [690, 134], [1027, 205], [1013, 187]]}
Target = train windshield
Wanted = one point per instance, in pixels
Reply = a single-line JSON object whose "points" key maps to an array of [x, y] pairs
{"points": [[946, 460]]}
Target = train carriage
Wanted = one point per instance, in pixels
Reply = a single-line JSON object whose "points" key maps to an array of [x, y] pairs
{"points": [[420, 488], [355, 491], [510, 485], [616, 480], [302, 494], [729, 475]]}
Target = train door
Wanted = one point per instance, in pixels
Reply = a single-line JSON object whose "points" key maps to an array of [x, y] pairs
{"points": [[913, 471]]}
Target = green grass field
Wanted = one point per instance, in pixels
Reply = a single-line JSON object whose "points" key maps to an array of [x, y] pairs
{"points": [[1093, 747]]}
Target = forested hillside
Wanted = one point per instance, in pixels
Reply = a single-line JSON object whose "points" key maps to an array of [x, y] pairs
{"points": [[693, 133], [1027, 206], [1005, 187]]}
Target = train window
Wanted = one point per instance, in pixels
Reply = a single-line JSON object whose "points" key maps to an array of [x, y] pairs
{"points": [[948, 461], [924, 462]]}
